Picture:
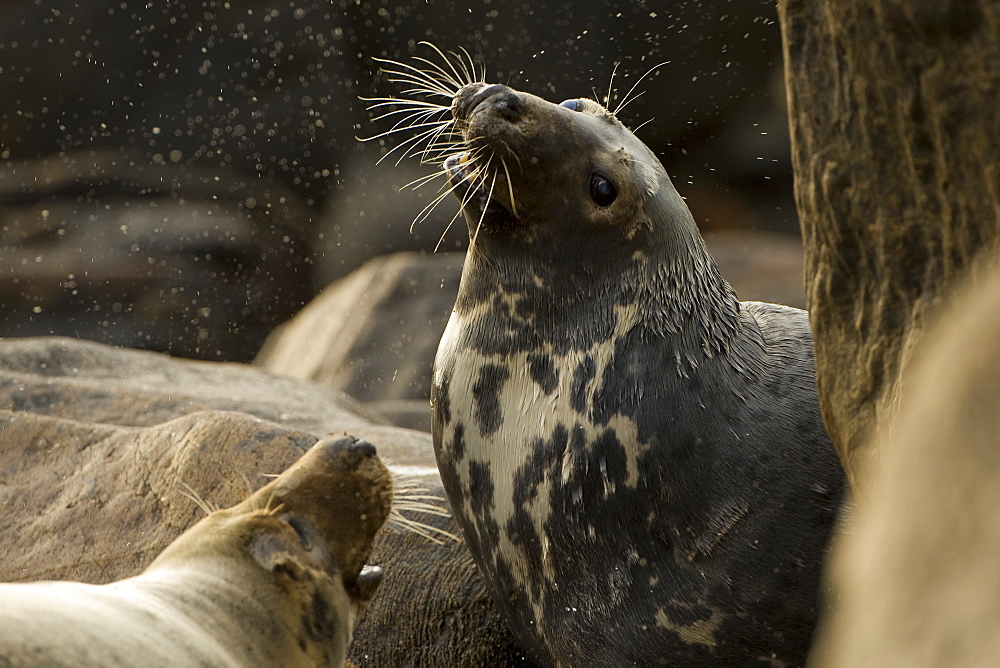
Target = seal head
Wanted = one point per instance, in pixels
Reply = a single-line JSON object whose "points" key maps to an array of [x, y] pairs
{"points": [[278, 579], [636, 458]]}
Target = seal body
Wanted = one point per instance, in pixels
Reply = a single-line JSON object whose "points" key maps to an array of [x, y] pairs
{"points": [[275, 580], [636, 458]]}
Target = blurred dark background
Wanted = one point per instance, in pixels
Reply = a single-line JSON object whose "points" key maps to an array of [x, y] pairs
{"points": [[184, 176]]}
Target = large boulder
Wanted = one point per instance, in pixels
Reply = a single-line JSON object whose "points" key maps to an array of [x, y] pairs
{"points": [[915, 573], [896, 149], [373, 334], [106, 455]]}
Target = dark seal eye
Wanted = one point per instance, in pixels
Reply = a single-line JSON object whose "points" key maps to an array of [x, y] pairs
{"points": [[602, 191], [575, 105]]}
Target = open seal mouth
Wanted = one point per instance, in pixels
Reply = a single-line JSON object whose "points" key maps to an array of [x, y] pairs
{"points": [[475, 189], [366, 583]]}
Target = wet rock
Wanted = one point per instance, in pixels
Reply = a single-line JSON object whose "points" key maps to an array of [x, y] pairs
{"points": [[103, 246], [373, 334]]}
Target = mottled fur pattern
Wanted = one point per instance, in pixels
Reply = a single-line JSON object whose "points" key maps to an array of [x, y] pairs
{"points": [[636, 458]]}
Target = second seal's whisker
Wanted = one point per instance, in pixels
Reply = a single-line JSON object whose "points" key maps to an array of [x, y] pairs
{"points": [[428, 531], [198, 499]]}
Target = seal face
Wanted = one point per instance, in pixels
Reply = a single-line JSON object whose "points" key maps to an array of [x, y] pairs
{"points": [[276, 580], [637, 459]]}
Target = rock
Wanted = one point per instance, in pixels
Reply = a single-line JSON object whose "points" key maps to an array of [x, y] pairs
{"points": [[915, 575], [162, 257], [374, 333], [100, 448], [896, 150], [463, 627]]}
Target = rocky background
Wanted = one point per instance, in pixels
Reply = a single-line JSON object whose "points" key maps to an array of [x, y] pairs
{"points": [[184, 176]]}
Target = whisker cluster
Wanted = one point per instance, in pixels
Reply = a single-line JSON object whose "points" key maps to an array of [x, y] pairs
{"points": [[427, 123], [410, 497], [192, 494], [421, 113], [415, 109]]}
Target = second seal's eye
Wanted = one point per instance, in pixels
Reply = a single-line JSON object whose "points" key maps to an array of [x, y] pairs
{"points": [[575, 105], [602, 191]]}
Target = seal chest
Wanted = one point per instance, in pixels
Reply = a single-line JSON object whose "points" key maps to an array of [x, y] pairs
{"points": [[636, 458]]}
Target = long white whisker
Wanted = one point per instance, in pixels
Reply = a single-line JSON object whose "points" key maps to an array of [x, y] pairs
{"points": [[399, 128], [632, 99], [639, 127], [423, 180], [426, 211], [625, 100], [510, 189], [611, 85], [407, 144], [415, 75], [446, 76], [465, 200], [458, 78], [415, 116], [466, 77], [399, 102], [482, 216]]}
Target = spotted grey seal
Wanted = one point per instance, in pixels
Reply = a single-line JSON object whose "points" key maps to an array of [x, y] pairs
{"points": [[278, 579], [636, 458]]}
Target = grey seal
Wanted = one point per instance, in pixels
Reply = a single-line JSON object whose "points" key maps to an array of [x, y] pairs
{"points": [[636, 458]]}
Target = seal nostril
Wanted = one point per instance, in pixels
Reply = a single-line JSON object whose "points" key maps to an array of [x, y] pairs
{"points": [[362, 449], [508, 104], [471, 96], [355, 453]]}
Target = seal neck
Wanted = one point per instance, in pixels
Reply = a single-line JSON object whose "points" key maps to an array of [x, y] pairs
{"points": [[526, 295]]}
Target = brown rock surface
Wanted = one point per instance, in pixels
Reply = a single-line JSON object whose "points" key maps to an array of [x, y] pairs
{"points": [[916, 575], [896, 151], [97, 445], [373, 334]]}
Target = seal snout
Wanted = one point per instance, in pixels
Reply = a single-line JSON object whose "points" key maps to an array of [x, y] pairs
{"points": [[349, 452], [501, 98]]}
